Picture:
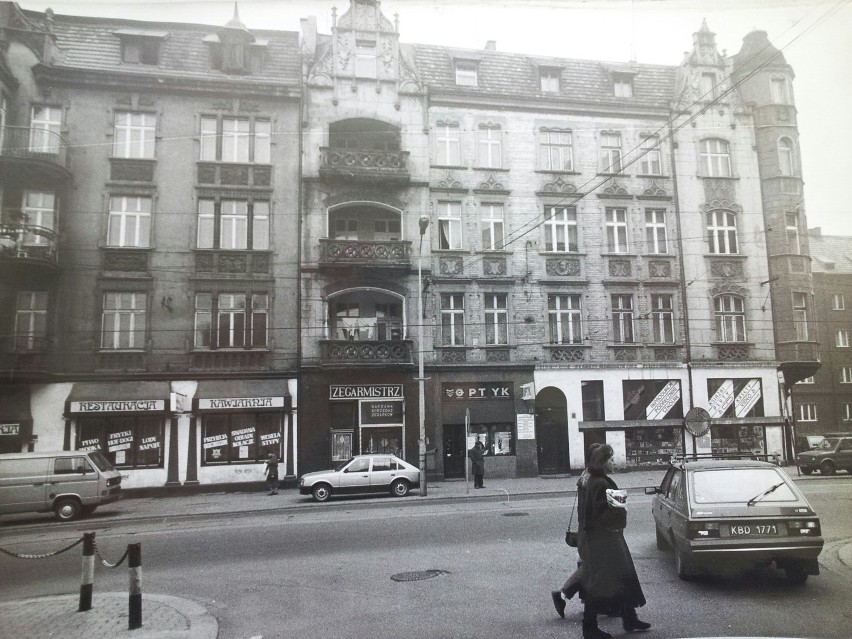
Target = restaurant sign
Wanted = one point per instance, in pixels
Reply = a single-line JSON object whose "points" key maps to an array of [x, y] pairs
{"points": [[119, 406]]}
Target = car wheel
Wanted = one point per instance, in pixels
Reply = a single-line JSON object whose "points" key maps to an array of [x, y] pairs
{"points": [[662, 542], [826, 467], [683, 565], [806, 471], [67, 509], [321, 492], [399, 488], [796, 575]]}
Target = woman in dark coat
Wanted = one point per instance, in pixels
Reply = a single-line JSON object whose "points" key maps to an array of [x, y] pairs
{"points": [[477, 463], [610, 582]]}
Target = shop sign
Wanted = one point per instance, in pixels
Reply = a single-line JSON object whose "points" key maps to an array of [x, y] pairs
{"points": [[242, 437], [373, 391], [734, 397], [747, 398], [90, 444], [215, 441], [10, 429], [664, 401], [120, 406], [149, 443], [119, 441], [652, 399], [463, 391], [526, 426], [240, 403], [381, 412]]}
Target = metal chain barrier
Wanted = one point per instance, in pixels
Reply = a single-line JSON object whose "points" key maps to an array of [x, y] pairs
{"points": [[104, 561], [49, 554]]}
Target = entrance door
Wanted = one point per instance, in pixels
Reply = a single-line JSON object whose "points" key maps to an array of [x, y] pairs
{"points": [[551, 432], [455, 451]]}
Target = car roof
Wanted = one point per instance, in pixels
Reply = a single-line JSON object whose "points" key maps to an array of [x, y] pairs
{"points": [[49, 453], [709, 464]]}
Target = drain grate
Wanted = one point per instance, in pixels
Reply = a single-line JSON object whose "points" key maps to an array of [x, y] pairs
{"points": [[515, 513], [418, 575]]}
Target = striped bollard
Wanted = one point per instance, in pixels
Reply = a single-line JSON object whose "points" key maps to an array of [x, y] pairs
{"points": [[88, 576], [134, 565]]}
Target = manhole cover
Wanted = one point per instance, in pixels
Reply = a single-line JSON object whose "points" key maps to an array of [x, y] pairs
{"points": [[515, 513], [418, 575]]}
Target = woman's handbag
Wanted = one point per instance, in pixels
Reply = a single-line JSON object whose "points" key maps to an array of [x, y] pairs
{"points": [[571, 535]]}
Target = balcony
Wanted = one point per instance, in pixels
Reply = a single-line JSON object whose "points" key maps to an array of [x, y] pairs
{"points": [[366, 353], [387, 167], [24, 245], [28, 155], [375, 254]]}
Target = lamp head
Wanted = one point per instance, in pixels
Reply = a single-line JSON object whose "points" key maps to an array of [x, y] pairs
{"points": [[424, 223]]}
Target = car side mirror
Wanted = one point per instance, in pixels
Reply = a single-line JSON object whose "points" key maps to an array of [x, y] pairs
{"points": [[651, 490]]}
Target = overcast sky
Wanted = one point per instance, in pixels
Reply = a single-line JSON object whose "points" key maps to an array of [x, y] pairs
{"points": [[814, 36]]}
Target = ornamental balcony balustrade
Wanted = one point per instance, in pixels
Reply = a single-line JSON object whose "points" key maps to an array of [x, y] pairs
{"points": [[380, 254], [366, 353], [29, 152], [26, 244], [387, 167]]}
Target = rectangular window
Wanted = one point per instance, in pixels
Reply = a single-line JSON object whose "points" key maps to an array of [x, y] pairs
{"points": [[240, 438], [466, 73], [838, 302], [128, 441], [622, 86], [241, 224], [730, 318], [123, 321], [560, 229], [30, 320], [231, 320], [565, 315], [715, 158], [39, 209], [129, 222], [557, 150], [549, 79], [492, 227], [656, 234], [780, 91], [140, 50], [592, 392], [134, 135], [243, 140], [846, 374], [708, 87], [662, 319], [842, 339], [793, 233], [449, 225], [45, 125], [496, 318], [651, 159], [452, 319], [611, 152], [807, 380], [616, 230], [807, 412], [242, 320], [448, 140], [722, 232], [365, 58], [800, 316], [622, 319], [846, 412], [489, 147]]}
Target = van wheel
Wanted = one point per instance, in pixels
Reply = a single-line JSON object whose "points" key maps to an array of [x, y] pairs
{"points": [[88, 510], [67, 509], [826, 468]]}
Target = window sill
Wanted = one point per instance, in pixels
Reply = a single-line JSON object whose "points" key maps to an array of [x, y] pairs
{"points": [[491, 168]]}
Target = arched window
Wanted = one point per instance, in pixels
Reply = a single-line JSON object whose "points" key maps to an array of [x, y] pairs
{"points": [[715, 158], [786, 159], [730, 318], [722, 231]]}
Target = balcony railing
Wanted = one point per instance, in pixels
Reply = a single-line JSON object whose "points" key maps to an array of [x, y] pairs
{"points": [[29, 143], [27, 242], [373, 352], [391, 253], [364, 165]]}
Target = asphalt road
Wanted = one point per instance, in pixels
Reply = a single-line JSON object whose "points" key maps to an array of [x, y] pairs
{"points": [[365, 572]]}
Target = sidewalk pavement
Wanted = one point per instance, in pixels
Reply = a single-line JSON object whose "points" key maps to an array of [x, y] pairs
{"points": [[165, 617]]}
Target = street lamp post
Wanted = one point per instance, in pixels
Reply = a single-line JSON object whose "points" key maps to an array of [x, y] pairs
{"points": [[421, 381]]}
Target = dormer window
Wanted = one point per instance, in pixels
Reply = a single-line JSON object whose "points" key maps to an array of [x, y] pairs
{"points": [[549, 79], [622, 85], [466, 73], [141, 46]]}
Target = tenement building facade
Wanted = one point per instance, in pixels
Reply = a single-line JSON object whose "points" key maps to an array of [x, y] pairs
{"points": [[208, 228]]}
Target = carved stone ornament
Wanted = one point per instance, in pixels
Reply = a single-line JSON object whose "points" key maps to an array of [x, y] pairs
{"points": [[625, 355], [343, 52], [659, 268], [620, 268], [454, 356], [733, 353], [614, 189], [491, 184], [494, 266], [497, 355], [665, 354], [655, 191], [558, 186], [450, 183], [727, 269], [562, 267], [450, 265], [567, 355], [386, 54]]}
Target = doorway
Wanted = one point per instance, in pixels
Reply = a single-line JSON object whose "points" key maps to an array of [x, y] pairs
{"points": [[551, 432], [455, 451]]}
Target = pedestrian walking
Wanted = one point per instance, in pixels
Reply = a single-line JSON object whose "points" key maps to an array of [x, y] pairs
{"points": [[609, 580], [477, 463], [271, 473]]}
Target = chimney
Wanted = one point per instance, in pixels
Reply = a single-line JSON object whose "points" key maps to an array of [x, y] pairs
{"points": [[491, 45], [309, 34]]}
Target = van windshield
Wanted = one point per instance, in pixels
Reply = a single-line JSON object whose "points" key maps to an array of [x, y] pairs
{"points": [[99, 460]]}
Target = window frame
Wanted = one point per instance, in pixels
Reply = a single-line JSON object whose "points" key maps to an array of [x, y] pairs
{"points": [[136, 222], [38, 213], [496, 315], [211, 228], [715, 158], [622, 315], [729, 318], [549, 79], [565, 318], [34, 314], [452, 319], [846, 374], [807, 412], [124, 146], [45, 129], [489, 146], [838, 302], [722, 235], [560, 147], [493, 226], [611, 155], [617, 236], [208, 318], [784, 95], [135, 314], [656, 231], [215, 143], [564, 228], [786, 157], [466, 73], [662, 318], [841, 338], [800, 315], [448, 144], [651, 160], [449, 225]]}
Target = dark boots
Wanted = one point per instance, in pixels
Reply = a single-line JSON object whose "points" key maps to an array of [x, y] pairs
{"points": [[631, 622], [590, 627]]}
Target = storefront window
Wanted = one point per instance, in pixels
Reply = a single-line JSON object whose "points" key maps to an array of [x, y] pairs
{"points": [[499, 439], [240, 437], [381, 440], [651, 446], [748, 439], [128, 441]]}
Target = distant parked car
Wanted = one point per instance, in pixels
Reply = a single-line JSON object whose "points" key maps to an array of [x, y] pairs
{"points": [[808, 442], [730, 515], [833, 454], [362, 474]]}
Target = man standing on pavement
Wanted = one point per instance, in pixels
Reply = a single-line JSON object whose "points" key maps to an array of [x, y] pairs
{"points": [[477, 463], [271, 473]]}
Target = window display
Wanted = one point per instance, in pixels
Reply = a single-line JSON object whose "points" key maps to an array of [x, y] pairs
{"points": [[651, 446], [240, 437], [743, 439], [128, 441], [499, 439]]}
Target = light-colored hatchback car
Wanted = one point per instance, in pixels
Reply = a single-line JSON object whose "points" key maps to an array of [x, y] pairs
{"points": [[362, 474]]}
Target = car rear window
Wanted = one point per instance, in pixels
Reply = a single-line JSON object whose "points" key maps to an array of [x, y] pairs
{"points": [[727, 485]]}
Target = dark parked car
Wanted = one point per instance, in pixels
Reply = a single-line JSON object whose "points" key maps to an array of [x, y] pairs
{"points": [[833, 454], [730, 515]]}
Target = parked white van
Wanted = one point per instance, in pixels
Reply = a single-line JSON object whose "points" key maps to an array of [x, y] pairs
{"points": [[69, 483]]}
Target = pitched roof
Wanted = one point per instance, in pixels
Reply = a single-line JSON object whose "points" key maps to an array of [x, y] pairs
{"points": [[830, 253]]}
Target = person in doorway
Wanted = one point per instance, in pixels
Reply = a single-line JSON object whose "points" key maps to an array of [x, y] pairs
{"points": [[609, 580], [271, 473], [572, 585], [477, 463]]}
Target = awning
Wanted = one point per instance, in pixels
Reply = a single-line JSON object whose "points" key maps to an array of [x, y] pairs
{"points": [[246, 395], [118, 397]]}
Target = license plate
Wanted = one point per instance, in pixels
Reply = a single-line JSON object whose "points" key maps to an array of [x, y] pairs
{"points": [[753, 530]]}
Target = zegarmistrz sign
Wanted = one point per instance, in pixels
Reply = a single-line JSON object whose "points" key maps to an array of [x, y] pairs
{"points": [[372, 391]]}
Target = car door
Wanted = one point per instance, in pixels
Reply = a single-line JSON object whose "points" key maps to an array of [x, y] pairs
{"points": [[383, 473], [73, 476], [355, 478], [844, 454], [660, 504]]}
